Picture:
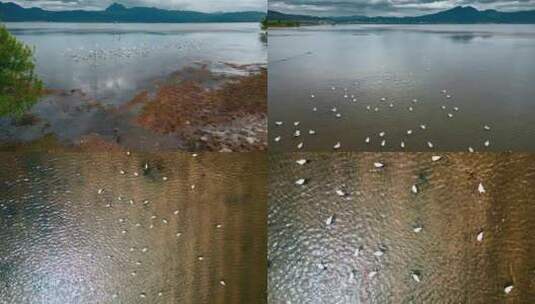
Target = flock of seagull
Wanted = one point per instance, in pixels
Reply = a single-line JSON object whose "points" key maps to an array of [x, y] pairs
{"points": [[164, 220], [98, 53], [414, 189], [449, 111], [105, 197]]}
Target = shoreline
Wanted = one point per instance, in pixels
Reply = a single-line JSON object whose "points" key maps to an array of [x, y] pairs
{"points": [[141, 123]]}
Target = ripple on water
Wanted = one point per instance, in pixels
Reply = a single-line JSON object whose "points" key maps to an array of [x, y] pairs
{"points": [[408, 228], [74, 229]]}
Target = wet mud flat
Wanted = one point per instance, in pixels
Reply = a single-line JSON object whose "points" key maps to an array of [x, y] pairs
{"points": [[401, 228], [138, 228], [231, 116], [196, 108]]}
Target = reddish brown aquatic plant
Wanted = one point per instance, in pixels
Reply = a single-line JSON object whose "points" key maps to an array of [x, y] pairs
{"points": [[186, 105], [173, 107], [248, 94]]}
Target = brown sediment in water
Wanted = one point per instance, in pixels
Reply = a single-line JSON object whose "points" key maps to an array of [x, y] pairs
{"points": [[379, 210], [61, 92], [129, 235], [49, 143], [193, 109], [27, 119], [202, 116], [93, 142]]}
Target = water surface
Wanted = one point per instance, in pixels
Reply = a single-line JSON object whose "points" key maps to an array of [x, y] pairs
{"points": [[96, 69], [112, 61], [356, 233], [145, 228], [486, 70]]}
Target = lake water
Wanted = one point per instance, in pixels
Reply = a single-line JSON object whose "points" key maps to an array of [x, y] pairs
{"points": [[111, 62], [100, 67], [145, 228], [487, 73], [355, 233]]}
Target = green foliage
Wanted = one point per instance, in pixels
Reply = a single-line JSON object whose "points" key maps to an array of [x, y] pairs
{"points": [[19, 87], [279, 23]]}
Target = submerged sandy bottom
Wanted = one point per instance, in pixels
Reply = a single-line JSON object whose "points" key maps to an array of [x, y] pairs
{"points": [[401, 228], [113, 228]]}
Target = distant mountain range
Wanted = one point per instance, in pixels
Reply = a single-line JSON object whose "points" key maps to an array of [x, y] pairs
{"points": [[11, 12], [459, 14]]}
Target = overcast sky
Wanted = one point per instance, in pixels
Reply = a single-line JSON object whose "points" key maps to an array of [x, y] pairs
{"points": [[389, 7], [197, 5]]}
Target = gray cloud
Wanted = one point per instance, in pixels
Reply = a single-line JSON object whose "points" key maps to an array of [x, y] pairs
{"points": [[198, 5], [389, 7]]}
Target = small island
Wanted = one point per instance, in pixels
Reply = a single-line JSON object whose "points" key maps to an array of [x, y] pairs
{"points": [[266, 23]]}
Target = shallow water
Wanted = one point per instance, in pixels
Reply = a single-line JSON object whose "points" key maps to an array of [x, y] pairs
{"points": [[108, 64], [75, 229], [486, 69], [378, 242], [111, 62]]}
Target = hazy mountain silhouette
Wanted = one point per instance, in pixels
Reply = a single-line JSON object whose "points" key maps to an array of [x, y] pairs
{"points": [[459, 14], [119, 13]]}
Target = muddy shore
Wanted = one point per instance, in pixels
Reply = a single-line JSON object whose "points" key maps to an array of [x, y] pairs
{"points": [[197, 108]]}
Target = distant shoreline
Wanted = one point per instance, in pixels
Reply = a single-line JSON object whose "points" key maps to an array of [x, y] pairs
{"points": [[416, 24], [117, 13], [457, 15]]}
